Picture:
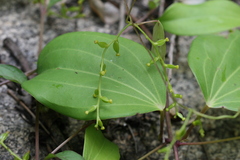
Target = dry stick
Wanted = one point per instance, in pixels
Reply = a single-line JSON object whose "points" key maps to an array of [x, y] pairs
{"points": [[141, 19], [144, 28], [162, 117], [152, 151], [161, 8], [43, 11], [27, 109], [170, 54], [37, 134], [134, 138], [121, 16], [16, 53], [72, 136]]}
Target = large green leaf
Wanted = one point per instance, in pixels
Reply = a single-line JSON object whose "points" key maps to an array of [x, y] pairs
{"points": [[69, 67], [209, 17], [97, 147], [12, 73], [214, 61]]}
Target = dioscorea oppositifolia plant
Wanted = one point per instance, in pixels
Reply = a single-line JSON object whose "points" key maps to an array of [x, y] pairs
{"points": [[97, 76]]}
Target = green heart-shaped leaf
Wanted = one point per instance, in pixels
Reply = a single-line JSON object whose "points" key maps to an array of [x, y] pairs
{"points": [[68, 69], [209, 17], [214, 61], [12, 73], [97, 147]]}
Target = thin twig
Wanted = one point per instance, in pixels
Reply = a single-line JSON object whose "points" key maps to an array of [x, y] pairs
{"points": [[170, 54], [16, 53], [121, 16], [162, 117], [175, 150], [71, 137], [134, 138], [27, 109], [140, 20], [43, 11], [208, 142], [161, 8], [37, 134], [152, 151]]}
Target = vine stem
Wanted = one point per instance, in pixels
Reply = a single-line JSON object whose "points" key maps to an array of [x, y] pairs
{"points": [[204, 110], [152, 151], [208, 142], [10, 151]]}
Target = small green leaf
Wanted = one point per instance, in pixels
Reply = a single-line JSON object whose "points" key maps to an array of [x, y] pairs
{"points": [[52, 3], [69, 155], [214, 61], [49, 156], [97, 147], [12, 73], [209, 17], [26, 156], [158, 34], [4, 136], [73, 9]]}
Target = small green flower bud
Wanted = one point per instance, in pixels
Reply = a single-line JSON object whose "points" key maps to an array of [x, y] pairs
{"points": [[96, 93], [100, 124], [116, 46], [181, 116], [170, 66], [196, 122], [104, 67], [105, 99], [201, 132], [177, 95], [170, 88], [117, 54], [93, 108], [161, 42], [102, 73], [171, 106], [101, 44]]}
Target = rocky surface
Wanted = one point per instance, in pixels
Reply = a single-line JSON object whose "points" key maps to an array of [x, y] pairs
{"points": [[135, 136]]}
